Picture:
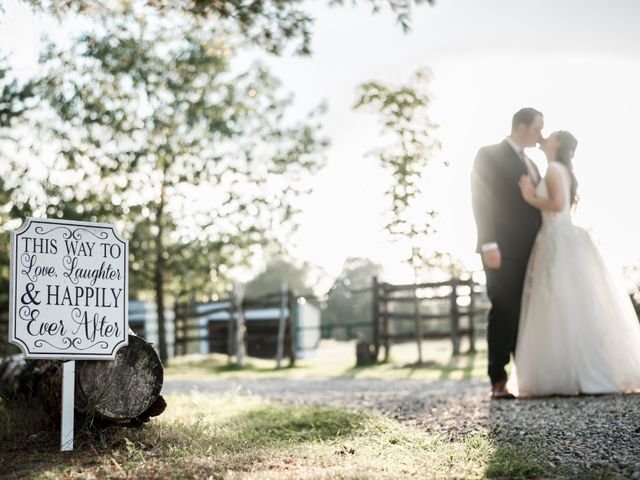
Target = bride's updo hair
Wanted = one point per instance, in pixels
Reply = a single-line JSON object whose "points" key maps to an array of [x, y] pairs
{"points": [[567, 145]]}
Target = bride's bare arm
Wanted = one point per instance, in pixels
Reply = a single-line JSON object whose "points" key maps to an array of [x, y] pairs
{"points": [[556, 200]]}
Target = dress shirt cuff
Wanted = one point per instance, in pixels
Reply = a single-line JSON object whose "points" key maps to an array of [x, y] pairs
{"points": [[489, 246]]}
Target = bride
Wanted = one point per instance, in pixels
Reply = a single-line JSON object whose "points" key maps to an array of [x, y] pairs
{"points": [[578, 331]]}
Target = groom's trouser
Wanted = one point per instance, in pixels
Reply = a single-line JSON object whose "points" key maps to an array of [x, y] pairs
{"points": [[504, 288]]}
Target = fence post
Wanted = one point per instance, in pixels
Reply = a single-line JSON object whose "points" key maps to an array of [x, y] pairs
{"points": [[281, 325], [176, 328], [231, 323], [293, 324], [472, 307], [455, 317], [185, 326], [185, 310], [418, 323], [325, 331], [375, 317], [238, 296], [385, 324]]}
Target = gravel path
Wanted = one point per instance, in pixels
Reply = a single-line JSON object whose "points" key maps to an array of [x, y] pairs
{"points": [[583, 434]]}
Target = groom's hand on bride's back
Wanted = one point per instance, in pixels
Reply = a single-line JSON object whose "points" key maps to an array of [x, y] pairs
{"points": [[492, 258]]}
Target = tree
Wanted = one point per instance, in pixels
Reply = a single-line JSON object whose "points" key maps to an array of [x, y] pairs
{"points": [[271, 278], [446, 263], [79, 186], [148, 122], [271, 24], [349, 300], [404, 112], [405, 118], [16, 98]]}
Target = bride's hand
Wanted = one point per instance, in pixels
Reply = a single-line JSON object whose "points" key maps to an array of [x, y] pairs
{"points": [[527, 189]]}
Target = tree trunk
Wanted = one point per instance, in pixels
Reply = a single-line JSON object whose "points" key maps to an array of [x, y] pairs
{"points": [[125, 390], [159, 278]]}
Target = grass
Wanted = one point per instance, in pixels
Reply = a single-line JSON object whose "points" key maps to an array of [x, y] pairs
{"points": [[337, 360], [239, 437], [515, 462]]}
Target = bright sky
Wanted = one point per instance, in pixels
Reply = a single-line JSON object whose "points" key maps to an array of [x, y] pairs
{"points": [[577, 60]]}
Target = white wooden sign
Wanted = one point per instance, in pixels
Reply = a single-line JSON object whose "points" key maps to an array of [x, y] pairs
{"points": [[69, 290]]}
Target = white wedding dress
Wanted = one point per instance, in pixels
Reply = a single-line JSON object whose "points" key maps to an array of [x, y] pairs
{"points": [[578, 331]]}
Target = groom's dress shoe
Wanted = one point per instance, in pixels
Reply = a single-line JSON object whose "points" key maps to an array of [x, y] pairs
{"points": [[499, 391]]}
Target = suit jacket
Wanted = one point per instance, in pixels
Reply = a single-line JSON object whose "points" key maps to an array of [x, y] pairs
{"points": [[501, 214]]}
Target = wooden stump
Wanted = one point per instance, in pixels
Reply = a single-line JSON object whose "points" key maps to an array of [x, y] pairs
{"points": [[125, 390], [365, 354]]}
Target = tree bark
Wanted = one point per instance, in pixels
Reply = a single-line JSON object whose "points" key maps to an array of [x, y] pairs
{"points": [[125, 390], [159, 276]]}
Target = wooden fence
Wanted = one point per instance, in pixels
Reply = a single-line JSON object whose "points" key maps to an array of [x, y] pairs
{"points": [[265, 335], [399, 313], [426, 310]]}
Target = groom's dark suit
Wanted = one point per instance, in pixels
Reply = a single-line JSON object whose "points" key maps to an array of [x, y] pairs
{"points": [[502, 216]]}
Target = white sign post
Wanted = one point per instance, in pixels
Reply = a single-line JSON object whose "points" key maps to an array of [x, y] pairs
{"points": [[69, 297], [68, 400]]}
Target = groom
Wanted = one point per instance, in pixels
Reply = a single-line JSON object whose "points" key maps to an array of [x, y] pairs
{"points": [[507, 227]]}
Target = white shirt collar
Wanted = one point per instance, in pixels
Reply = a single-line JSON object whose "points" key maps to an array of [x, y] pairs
{"points": [[518, 149]]}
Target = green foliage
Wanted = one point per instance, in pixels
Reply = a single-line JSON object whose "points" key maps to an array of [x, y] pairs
{"points": [[402, 8], [16, 99], [145, 112], [446, 263], [270, 24], [143, 107], [146, 122], [404, 114], [279, 270], [347, 305]]}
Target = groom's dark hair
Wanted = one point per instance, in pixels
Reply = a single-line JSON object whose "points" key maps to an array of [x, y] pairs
{"points": [[524, 115]]}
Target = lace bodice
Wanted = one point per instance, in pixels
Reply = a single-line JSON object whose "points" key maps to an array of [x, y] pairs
{"points": [[549, 218]]}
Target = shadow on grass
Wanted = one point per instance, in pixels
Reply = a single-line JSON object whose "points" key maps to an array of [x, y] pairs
{"points": [[355, 370], [276, 425], [519, 453], [270, 438], [242, 442], [217, 365], [461, 366], [464, 364], [23, 426], [515, 462], [27, 436]]}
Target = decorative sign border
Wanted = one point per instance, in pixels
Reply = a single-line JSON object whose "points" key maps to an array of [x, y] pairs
{"points": [[73, 229]]}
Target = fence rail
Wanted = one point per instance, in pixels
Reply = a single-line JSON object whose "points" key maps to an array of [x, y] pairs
{"points": [[222, 325], [436, 309], [399, 313], [391, 313]]}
